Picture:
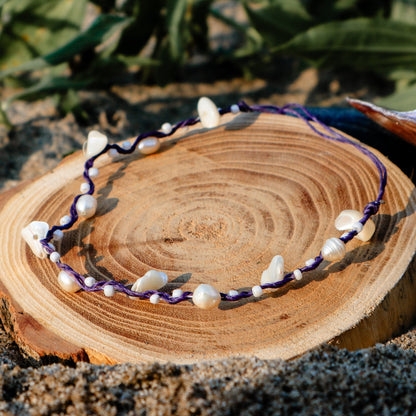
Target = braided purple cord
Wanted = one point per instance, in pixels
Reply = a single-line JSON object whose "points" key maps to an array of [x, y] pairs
{"points": [[292, 109]]}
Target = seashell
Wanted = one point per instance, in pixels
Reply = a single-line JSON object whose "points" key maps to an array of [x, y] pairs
{"points": [[333, 249], [95, 144], [348, 218], [68, 282], [208, 113], [206, 296], [275, 271], [33, 234], [402, 124], [152, 280]]}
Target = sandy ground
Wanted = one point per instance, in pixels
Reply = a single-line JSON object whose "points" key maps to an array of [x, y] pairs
{"points": [[327, 381]]}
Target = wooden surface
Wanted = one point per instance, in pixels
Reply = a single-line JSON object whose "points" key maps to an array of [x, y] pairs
{"points": [[214, 207]]}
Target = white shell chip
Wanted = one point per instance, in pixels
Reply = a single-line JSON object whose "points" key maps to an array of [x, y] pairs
{"points": [[33, 233], [348, 218], [95, 143], [275, 271], [208, 113], [152, 280]]}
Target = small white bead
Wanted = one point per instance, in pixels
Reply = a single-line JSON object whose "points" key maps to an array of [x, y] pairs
{"points": [[58, 235], [126, 145], [167, 128], [109, 291], [333, 249], [149, 145], [257, 291], [85, 187], [113, 153], [298, 274], [65, 220], [309, 262], [232, 293], [177, 293], [86, 206], [206, 296], [68, 282], [357, 226], [89, 281], [345, 234], [54, 257], [235, 109], [51, 246], [155, 298], [93, 172]]}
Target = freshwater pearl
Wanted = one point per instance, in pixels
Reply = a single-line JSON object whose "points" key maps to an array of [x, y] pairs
{"points": [[233, 293], [235, 109], [275, 271], [54, 257], [86, 206], [208, 113], [84, 188], [297, 274], [152, 280], [33, 234], [167, 128], [155, 298], [95, 144], [349, 218], [66, 219], [257, 291], [109, 291], [149, 146], [93, 172], [333, 249], [68, 282], [206, 296], [89, 281], [177, 293], [58, 235]]}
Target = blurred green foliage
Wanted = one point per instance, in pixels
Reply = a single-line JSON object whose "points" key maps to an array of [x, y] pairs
{"points": [[63, 45]]}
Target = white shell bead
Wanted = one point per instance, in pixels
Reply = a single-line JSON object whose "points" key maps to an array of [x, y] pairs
{"points": [[66, 219], [206, 296], [89, 281], [58, 235], [309, 262], [152, 280], [33, 233], [275, 271], [177, 293], [109, 291], [86, 206], [235, 109], [95, 143], [257, 291], [297, 274], [208, 113], [126, 145], [149, 145], [167, 128], [333, 249], [233, 293], [85, 187], [349, 218], [155, 298], [54, 257], [68, 282], [93, 172], [113, 153]]}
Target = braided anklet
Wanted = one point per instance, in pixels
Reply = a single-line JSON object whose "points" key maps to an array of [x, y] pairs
{"points": [[355, 224]]}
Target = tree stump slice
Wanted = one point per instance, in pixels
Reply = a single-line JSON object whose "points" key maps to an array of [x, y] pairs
{"points": [[213, 206]]}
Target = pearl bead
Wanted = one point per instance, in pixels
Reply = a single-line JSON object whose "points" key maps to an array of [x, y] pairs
{"points": [[54, 257], [167, 128], [309, 262], [206, 296], [177, 293], [86, 206], [95, 144], [235, 109], [126, 145], [58, 235], [68, 282], [33, 234], [257, 291], [109, 291], [333, 249], [155, 298], [85, 187], [208, 113], [89, 281], [93, 172], [297, 274], [232, 293], [149, 145], [66, 219], [349, 220]]}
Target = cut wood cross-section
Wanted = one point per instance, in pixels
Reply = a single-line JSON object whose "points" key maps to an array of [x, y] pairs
{"points": [[213, 206]]}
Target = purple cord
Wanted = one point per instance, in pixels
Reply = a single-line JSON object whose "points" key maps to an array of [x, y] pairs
{"points": [[290, 109]]}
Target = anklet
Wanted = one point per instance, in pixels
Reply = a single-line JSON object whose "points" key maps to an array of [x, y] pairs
{"points": [[354, 223]]}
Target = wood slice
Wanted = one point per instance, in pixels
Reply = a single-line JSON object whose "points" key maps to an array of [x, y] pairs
{"points": [[213, 207]]}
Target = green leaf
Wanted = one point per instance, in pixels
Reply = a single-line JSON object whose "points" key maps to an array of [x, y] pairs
{"points": [[404, 100], [176, 27], [403, 11], [103, 27], [366, 44], [36, 27], [279, 20]]}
